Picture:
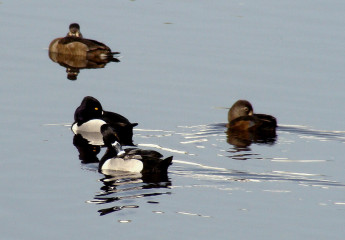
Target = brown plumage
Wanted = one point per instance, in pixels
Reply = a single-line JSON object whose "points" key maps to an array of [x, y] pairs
{"points": [[241, 117], [75, 44]]}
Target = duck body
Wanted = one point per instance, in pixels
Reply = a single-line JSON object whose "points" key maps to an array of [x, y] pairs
{"points": [[135, 160], [130, 159], [89, 117], [241, 117], [75, 44]]}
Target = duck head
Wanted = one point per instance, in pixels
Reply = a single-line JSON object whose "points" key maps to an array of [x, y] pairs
{"points": [[74, 30], [90, 108], [239, 109]]}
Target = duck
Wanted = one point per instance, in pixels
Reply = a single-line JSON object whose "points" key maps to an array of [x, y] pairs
{"points": [[241, 117], [90, 116], [130, 159], [75, 44]]}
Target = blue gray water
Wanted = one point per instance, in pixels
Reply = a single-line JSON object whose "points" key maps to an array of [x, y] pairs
{"points": [[183, 64]]}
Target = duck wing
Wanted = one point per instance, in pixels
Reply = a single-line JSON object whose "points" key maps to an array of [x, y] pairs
{"points": [[267, 121], [132, 152], [253, 122], [91, 44]]}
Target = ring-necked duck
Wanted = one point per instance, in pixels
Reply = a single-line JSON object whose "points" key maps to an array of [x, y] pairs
{"points": [[75, 44], [90, 116], [130, 159], [241, 117]]}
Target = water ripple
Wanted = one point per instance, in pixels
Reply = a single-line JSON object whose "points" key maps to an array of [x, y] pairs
{"points": [[307, 132], [125, 186], [211, 173]]}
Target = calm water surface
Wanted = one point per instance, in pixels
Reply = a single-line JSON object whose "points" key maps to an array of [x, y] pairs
{"points": [[183, 64]]}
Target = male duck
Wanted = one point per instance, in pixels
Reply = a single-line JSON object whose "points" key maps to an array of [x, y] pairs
{"points": [[75, 44], [90, 116], [241, 117], [130, 159]]}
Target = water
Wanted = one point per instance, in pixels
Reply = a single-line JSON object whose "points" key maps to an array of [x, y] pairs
{"points": [[183, 63]]}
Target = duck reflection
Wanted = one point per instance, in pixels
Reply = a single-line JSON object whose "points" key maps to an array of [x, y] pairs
{"points": [[126, 187], [243, 139], [73, 63], [87, 152]]}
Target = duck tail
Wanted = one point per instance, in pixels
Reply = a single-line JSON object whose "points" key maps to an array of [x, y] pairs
{"points": [[113, 58], [163, 165]]}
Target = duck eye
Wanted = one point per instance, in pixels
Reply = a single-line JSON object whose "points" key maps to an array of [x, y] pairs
{"points": [[96, 108]]}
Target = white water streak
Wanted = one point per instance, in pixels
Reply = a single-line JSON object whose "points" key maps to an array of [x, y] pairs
{"points": [[162, 148]]}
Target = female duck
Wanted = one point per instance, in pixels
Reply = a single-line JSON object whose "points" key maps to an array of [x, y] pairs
{"points": [[241, 117], [75, 44], [131, 159], [90, 116]]}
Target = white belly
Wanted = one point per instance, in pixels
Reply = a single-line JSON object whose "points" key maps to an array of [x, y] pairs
{"points": [[119, 164], [90, 126]]}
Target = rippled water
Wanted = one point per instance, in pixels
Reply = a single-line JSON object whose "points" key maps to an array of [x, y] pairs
{"points": [[183, 64]]}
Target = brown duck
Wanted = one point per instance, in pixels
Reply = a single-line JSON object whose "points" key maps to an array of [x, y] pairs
{"points": [[75, 44], [241, 117]]}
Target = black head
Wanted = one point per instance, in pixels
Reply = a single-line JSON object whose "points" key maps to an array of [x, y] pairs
{"points": [[239, 109], [109, 135], [109, 138], [74, 30], [90, 108]]}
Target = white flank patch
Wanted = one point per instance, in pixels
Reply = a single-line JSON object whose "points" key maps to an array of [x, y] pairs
{"points": [[119, 164], [90, 126]]}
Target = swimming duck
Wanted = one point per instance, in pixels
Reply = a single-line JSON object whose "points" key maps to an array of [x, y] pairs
{"points": [[75, 44], [130, 159], [90, 116], [241, 117]]}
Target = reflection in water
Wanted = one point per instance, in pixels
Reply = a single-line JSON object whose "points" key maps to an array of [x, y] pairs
{"points": [[93, 138], [238, 154], [73, 63], [127, 187], [243, 139], [87, 152]]}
